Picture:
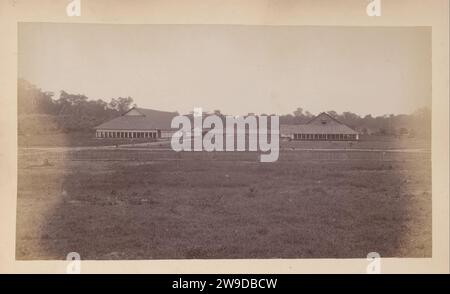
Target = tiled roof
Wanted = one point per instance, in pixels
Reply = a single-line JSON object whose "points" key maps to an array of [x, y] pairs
{"points": [[315, 126], [316, 129], [154, 119], [149, 120]]}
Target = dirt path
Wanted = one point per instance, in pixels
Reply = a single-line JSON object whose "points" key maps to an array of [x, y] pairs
{"points": [[138, 147]]}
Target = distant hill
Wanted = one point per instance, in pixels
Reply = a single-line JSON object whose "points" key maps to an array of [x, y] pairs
{"points": [[38, 124]]}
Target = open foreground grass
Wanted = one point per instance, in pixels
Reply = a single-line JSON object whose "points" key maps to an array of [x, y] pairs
{"points": [[131, 204]]}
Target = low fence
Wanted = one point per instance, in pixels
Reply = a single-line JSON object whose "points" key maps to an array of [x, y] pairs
{"points": [[41, 156]]}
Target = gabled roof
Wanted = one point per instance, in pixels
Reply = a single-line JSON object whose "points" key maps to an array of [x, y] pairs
{"points": [[323, 115], [315, 127], [142, 119]]}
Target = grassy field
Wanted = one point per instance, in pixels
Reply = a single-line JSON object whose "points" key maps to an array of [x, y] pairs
{"points": [[134, 204]]}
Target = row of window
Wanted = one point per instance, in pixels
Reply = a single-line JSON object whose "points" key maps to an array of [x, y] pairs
{"points": [[337, 137], [111, 134]]}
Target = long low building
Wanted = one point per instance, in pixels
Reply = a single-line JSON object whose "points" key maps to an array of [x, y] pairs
{"points": [[323, 127], [154, 124], [138, 123]]}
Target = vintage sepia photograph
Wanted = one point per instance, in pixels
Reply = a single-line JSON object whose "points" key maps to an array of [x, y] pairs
{"points": [[220, 141]]}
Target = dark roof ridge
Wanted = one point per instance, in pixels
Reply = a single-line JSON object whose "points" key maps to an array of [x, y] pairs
{"points": [[142, 110], [330, 116]]}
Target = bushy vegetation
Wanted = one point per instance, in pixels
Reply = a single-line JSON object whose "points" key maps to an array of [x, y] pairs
{"points": [[417, 124], [40, 112]]}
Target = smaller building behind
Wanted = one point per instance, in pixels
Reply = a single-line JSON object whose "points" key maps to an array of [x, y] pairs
{"points": [[323, 127]]}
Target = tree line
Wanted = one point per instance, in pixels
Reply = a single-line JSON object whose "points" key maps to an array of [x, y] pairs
{"points": [[417, 124], [41, 112]]}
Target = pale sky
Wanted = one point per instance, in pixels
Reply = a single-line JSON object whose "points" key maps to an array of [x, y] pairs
{"points": [[237, 69]]}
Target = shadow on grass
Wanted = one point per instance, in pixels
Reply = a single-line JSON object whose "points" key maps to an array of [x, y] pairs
{"points": [[196, 205]]}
